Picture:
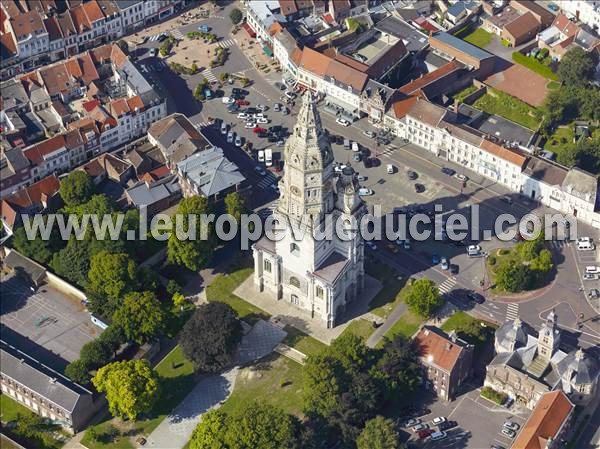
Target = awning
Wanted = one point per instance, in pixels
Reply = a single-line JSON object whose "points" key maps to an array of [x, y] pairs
{"points": [[267, 51], [249, 30]]}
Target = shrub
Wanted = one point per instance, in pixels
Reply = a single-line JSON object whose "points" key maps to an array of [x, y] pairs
{"points": [[492, 260], [493, 395], [245, 82], [236, 16], [223, 76], [504, 252]]}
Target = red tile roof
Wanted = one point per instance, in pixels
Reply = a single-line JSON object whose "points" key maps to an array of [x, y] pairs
{"points": [[53, 28], [565, 26], [27, 23], [37, 152], [351, 62], [503, 153], [8, 43], [437, 349], [79, 18], [35, 194], [403, 106], [547, 418], [288, 7], [430, 77], [93, 11], [522, 25]]}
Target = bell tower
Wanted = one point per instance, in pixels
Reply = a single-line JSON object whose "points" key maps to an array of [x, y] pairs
{"points": [[549, 337]]}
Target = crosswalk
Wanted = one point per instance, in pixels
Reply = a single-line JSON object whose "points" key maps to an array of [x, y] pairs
{"points": [[389, 150], [202, 125], [266, 180], [209, 75], [512, 312], [154, 38], [447, 285], [177, 34], [265, 212], [226, 43]]}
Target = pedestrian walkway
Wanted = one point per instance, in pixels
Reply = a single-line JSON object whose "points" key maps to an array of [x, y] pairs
{"points": [[291, 353], [176, 429], [203, 125], [226, 43], [267, 180], [447, 285], [177, 34], [512, 312], [209, 75]]}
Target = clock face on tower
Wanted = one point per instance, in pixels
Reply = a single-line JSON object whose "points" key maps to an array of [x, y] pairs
{"points": [[295, 190]]}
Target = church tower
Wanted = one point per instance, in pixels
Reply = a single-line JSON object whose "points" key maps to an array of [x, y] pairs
{"points": [[318, 276], [549, 336]]}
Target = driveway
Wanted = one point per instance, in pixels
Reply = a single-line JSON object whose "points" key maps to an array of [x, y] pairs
{"points": [[176, 429]]}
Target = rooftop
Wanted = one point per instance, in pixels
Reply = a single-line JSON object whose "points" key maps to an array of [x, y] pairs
{"points": [[437, 348], [413, 40], [461, 45], [494, 125]]}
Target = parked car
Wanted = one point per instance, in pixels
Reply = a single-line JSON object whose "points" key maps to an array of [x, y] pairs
{"points": [[223, 128], [238, 141], [361, 178], [363, 191], [462, 177], [412, 175], [444, 263], [592, 269], [280, 86], [436, 436], [285, 111], [369, 134], [372, 245], [511, 425], [259, 130], [262, 107], [406, 244], [230, 137], [228, 100], [277, 107], [356, 157], [290, 95], [250, 125], [594, 293], [447, 425], [437, 420], [242, 115], [476, 297], [419, 188], [590, 277], [262, 120], [508, 432], [419, 427], [453, 268], [341, 121], [152, 52], [448, 171], [424, 433], [435, 259], [412, 422]]}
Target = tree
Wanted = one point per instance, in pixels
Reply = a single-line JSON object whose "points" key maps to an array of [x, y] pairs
{"points": [[111, 276], [379, 433], [576, 67], [173, 287], [223, 76], [73, 261], [194, 68], [235, 205], [98, 205], [37, 249], [513, 277], [324, 380], [77, 188], [95, 354], [400, 363], [210, 336], [112, 338], [210, 432], [178, 300], [245, 81], [543, 262], [236, 16], [131, 387], [263, 426], [195, 251], [140, 316], [78, 371], [423, 298]]}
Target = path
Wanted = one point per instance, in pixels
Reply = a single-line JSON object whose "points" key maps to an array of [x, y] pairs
{"points": [[210, 393], [387, 325]]}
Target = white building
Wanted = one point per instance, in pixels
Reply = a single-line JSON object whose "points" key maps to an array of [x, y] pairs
{"points": [[261, 15], [318, 276], [587, 11]]}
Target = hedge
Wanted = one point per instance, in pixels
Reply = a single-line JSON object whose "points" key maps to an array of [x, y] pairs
{"points": [[493, 395], [534, 65]]}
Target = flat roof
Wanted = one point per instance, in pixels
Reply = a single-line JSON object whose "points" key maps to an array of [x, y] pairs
{"points": [[494, 125], [413, 40], [46, 324], [461, 45]]}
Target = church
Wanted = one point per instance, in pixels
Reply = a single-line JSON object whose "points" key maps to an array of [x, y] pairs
{"points": [[321, 276], [528, 364]]}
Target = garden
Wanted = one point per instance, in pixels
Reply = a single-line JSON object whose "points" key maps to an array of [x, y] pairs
{"points": [[479, 37], [504, 105], [526, 266], [539, 63], [493, 395]]}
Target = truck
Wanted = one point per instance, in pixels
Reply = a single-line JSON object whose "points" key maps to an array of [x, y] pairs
{"points": [[268, 157], [261, 156]]}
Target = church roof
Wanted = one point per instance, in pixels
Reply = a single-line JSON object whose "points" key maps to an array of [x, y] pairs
{"points": [[332, 267], [578, 368], [516, 331]]}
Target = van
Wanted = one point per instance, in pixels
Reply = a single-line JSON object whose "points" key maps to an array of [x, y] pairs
{"points": [[390, 169], [268, 157], [346, 144], [261, 156], [436, 436], [474, 250], [585, 244], [355, 147]]}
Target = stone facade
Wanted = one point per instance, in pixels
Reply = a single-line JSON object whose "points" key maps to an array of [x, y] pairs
{"points": [[318, 276]]}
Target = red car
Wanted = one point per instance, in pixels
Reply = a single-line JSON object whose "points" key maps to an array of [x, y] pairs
{"points": [[424, 433], [242, 102], [259, 130]]}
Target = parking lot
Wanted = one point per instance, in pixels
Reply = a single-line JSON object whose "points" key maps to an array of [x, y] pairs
{"points": [[50, 326], [478, 423]]}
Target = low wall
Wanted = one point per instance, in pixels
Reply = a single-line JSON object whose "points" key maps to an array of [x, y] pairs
{"points": [[64, 287]]}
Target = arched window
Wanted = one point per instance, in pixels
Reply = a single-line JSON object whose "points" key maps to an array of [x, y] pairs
{"points": [[295, 282], [294, 249], [268, 266]]}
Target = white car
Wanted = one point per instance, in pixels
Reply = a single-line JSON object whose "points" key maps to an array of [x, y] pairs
{"points": [[223, 128], [590, 277], [444, 263], [238, 141], [473, 250], [412, 422], [369, 134], [230, 137], [462, 178], [355, 147], [341, 121], [591, 269], [280, 143], [365, 192], [153, 52], [290, 95], [262, 107], [262, 120], [250, 125], [436, 436], [372, 245], [228, 100], [242, 115], [261, 171], [339, 168], [361, 178], [438, 420]]}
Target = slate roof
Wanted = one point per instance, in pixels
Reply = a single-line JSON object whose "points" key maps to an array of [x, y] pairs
{"points": [[516, 330], [332, 267], [578, 369], [47, 383], [581, 184], [545, 171], [462, 46], [146, 194]]}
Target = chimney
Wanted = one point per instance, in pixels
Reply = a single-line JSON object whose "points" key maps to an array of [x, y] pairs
{"points": [[455, 107], [448, 346]]}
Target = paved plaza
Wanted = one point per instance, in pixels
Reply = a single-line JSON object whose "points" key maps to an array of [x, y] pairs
{"points": [[286, 313], [176, 429]]}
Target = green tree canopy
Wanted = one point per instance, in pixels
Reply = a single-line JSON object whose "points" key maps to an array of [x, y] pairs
{"points": [[111, 276], [131, 387], [140, 316], [210, 433], [513, 277], [423, 298], [73, 261], [576, 67], [77, 188], [78, 371], [235, 205], [193, 254], [95, 353], [210, 336], [400, 363], [37, 249], [236, 16], [379, 433]]}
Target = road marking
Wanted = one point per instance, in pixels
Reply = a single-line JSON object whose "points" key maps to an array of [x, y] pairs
{"points": [[226, 43], [447, 285], [177, 34], [203, 125], [209, 75], [512, 312]]}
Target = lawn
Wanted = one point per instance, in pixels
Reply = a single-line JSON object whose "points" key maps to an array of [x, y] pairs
{"points": [[361, 328], [389, 296], [304, 343], [9, 411], [534, 65], [504, 105], [560, 141], [221, 289], [460, 96], [472, 330], [480, 38], [119, 442], [407, 325], [274, 379]]}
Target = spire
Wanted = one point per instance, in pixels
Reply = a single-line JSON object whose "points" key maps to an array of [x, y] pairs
{"points": [[551, 319], [579, 355], [308, 126]]}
